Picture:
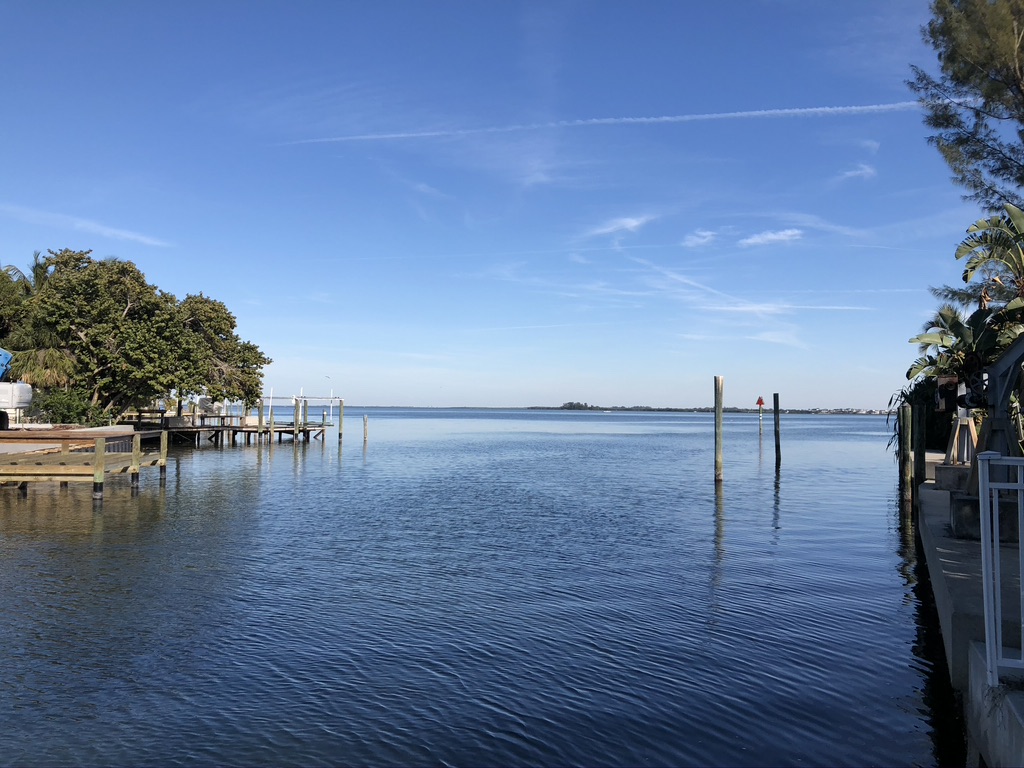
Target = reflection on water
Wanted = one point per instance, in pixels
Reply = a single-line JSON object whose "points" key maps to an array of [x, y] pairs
{"points": [[479, 588]]}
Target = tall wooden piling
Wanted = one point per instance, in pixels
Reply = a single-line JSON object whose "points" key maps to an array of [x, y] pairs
{"points": [[99, 467], [918, 434], [719, 386], [905, 457], [341, 417], [366, 429], [778, 439], [162, 462], [136, 464]]}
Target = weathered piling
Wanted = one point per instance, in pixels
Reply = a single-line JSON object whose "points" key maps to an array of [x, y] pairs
{"points": [[99, 468], [905, 457], [162, 461], [341, 418], [366, 428], [778, 439], [133, 469], [719, 387], [918, 433]]}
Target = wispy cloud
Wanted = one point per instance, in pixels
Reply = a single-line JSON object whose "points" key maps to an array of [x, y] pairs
{"points": [[63, 221], [619, 225], [811, 221], [870, 145], [784, 337], [782, 309], [862, 171], [771, 237], [447, 133], [426, 190], [698, 238]]}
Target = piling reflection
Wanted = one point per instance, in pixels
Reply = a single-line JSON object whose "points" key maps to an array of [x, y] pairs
{"points": [[718, 563], [776, 506], [48, 510], [941, 706]]}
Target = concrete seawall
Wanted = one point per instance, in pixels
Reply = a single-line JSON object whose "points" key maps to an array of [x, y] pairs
{"points": [[994, 717]]}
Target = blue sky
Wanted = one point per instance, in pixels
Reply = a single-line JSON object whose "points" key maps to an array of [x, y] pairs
{"points": [[501, 203]]}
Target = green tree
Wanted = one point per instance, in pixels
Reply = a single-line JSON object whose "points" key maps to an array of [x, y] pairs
{"points": [[216, 362], [976, 106], [98, 331]]}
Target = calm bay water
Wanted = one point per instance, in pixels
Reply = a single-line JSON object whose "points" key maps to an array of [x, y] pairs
{"points": [[480, 588]]}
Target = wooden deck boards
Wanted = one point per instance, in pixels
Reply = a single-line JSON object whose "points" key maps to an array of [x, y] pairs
{"points": [[77, 456]]}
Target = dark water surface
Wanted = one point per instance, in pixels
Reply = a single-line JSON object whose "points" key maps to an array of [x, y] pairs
{"points": [[480, 588]]}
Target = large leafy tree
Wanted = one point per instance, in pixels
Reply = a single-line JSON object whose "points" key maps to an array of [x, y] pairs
{"points": [[976, 106], [216, 362], [99, 329]]}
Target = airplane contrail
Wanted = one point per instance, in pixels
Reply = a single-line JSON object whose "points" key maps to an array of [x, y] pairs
{"points": [[867, 109]]}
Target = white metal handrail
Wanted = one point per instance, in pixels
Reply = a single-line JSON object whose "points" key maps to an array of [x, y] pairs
{"points": [[991, 569]]}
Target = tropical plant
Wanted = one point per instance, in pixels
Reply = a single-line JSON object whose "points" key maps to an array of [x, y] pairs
{"points": [[994, 249], [38, 273], [961, 346]]}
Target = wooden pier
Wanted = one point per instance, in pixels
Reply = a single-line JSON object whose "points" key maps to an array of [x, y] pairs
{"points": [[221, 429], [79, 455], [92, 454]]}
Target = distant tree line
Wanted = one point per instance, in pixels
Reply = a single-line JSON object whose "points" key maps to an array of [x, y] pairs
{"points": [[94, 339]]}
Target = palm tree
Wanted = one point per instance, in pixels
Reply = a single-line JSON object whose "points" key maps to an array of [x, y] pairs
{"points": [[38, 358], [953, 344], [38, 274], [994, 248]]}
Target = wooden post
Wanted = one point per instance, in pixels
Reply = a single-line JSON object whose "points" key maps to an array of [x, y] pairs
{"points": [[341, 417], [918, 436], [65, 450], [297, 413], [162, 462], [778, 442], [259, 424], [98, 467], [366, 433], [719, 386], [906, 465], [133, 470]]}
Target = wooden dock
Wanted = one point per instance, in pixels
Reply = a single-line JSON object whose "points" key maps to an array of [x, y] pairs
{"points": [[227, 429], [71, 455]]}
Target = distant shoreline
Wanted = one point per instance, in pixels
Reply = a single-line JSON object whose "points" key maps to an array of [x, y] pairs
{"points": [[638, 409]]}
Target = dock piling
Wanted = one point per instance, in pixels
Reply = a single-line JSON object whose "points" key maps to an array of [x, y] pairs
{"points": [[906, 460], [719, 387], [99, 465], [778, 441]]}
